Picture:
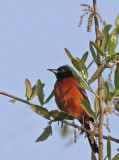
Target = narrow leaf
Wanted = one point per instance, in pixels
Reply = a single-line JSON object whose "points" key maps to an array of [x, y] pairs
{"points": [[28, 88], [109, 148], [116, 157], [45, 134], [83, 69], [97, 108], [50, 96], [105, 42], [107, 28], [93, 157], [116, 78], [68, 54], [103, 25], [41, 111], [78, 78], [39, 90], [113, 40], [87, 108], [93, 53], [83, 59], [76, 64], [105, 92], [102, 52], [34, 93], [96, 74], [59, 115]]}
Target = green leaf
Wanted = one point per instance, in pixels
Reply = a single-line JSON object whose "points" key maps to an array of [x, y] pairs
{"points": [[96, 74], [116, 78], [109, 148], [103, 25], [68, 54], [28, 88], [34, 89], [34, 93], [83, 59], [117, 21], [110, 96], [102, 52], [39, 90], [93, 157], [107, 28], [41, 111], [105, 41], [105, 92], [50, 96], [93, 53], [87, 108], [116, 157], [59, 115], [83, 69], [97, 108], [78, 78], [45, 134], [76, 64], [113, 40]]}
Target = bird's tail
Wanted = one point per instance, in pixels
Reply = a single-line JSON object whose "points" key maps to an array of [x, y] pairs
{"points": [[91, 140]]}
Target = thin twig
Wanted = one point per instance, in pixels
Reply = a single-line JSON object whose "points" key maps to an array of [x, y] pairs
{"points": [[90, 64], [16, 98]]}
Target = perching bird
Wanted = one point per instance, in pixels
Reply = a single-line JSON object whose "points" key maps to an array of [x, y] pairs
{"points": [[67, 94]]}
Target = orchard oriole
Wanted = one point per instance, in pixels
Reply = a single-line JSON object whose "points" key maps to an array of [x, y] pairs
{"points": [[67, 94]]}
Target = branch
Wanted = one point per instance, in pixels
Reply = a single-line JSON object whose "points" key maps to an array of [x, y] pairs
{"points": [[87, 131], [99, 83], [63, 121], [16, 98]]}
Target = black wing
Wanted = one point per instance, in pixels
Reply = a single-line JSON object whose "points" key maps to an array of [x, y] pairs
{"points": [[83, 92]]}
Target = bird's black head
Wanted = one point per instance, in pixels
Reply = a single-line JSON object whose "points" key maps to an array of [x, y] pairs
{"points": [[62, 72]]}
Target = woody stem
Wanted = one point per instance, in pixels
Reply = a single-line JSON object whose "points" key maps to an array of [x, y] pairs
{"points": [[99, 83]]}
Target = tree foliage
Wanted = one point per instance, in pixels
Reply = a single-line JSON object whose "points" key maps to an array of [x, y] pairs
{"points": [[109, 59]]}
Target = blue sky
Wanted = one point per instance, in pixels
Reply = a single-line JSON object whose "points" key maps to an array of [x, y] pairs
{"points": [[33, 35]]}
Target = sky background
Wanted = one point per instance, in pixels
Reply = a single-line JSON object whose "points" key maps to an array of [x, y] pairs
{"points": [[33, 35]]}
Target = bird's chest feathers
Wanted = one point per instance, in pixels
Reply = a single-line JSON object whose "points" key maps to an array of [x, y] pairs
{"points": [[67, 97], [64, 93]]}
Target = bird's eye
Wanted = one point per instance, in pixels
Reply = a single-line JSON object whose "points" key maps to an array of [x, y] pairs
{"points": [[62, 71]]}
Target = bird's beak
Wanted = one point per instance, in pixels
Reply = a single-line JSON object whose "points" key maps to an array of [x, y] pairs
{"points": [[55, 71]]}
